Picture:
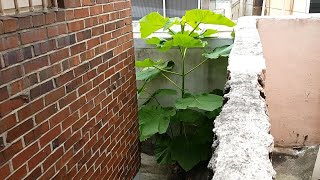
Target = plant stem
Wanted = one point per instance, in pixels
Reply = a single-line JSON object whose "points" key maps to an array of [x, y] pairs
{"points": [[171, 81], [171, 72], [183, 54], [196, 66], [171, 31], [194, 29]]}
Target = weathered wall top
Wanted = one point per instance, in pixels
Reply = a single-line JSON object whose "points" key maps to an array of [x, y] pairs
{"points": [[243, 141]]}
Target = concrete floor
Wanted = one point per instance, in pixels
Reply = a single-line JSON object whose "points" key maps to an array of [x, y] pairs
{"points": [[294, 164], [289, 165]]}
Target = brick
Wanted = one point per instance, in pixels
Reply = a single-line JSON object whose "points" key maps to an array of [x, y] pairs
{"points": [[70, 120], [50, 17], [39, 157], [48, 174], [89, 22], [65, 159], [36, 64], [80, 123], [81, 13], [64, 78], [1, 28], [104, 19], [93, 42], [25, 22], [59, 117], [95, 10], [74, 84], [88, 2], [66, 41], [13, 149], [27, 52], [9, 42], [61, 15], [87, 55], [19, 174], [98, 31], [46, 138], [41, 89], [72, 4], [33, 35], [30, 109], [36, 133], [83, 35], [76, 49], [10, 24], [59, 56], [5, 170], [34, 174], [52, 158], [23, 156], [50, 72], [44, 47], [38, 20], [13, 57], [53, 31], [73, 139], [81, 69], [54, 96], [19, 130], [7, 123], [22, 84], [63, 137], [70, 15], [10, 105], [76, 26], [77, 104], [46, 113], [4, 93]]}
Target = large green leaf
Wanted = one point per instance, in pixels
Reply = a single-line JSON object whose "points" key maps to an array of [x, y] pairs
{"points": [[223, 51], [209, 32], [153, 40], [207, 17], [213, 114], [189, 151], [147, 73], [151, 23], [188, 116], [166, 45], [164, 92], [208, 102], [154, 119], [170, 22], [163, 149], [184, 40], [148, 63]]}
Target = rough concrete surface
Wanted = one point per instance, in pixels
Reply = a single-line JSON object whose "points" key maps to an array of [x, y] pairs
{"points": [[295, 165], [243, 141]]}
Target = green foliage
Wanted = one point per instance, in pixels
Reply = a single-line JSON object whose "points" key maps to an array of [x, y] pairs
{"points": [[182, 130], [223, 51], [154, 119], [207, 102], [197, 16], [151, 68], [151, 23]]}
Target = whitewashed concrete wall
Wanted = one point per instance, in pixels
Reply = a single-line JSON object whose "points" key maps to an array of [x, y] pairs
{"points": [[243, 144]]}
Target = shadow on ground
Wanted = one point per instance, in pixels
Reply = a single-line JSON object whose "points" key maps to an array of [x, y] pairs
{"points": [[294, 164]]}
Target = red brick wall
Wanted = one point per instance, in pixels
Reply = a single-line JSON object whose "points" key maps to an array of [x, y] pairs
{"points": [[68, 103]]}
